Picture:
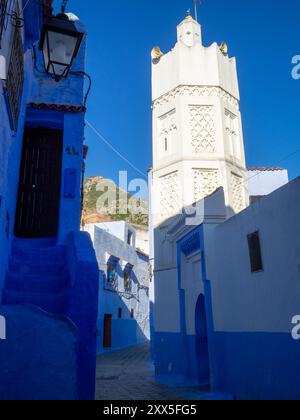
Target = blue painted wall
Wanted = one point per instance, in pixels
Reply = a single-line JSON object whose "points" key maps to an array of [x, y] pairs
{"points": [[252, 354], [69, 287], [10, 152], [83, 307], [38, 357], [126, 331], [255, 354], [258, 366], [177, 357]]}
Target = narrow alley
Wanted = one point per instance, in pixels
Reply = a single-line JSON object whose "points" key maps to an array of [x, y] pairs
{"points": [[129, 375]]}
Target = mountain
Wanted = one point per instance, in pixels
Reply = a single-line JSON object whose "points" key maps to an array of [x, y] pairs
{"points": [[104, 202]]}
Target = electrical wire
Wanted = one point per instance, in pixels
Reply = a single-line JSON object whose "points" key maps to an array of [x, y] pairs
{"points": [[114, 149]]}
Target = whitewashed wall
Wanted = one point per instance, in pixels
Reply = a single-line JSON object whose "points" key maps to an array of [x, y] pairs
{"points": [[265, 301], [264, 182]]}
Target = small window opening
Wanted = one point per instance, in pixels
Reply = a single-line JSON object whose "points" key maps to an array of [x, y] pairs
{"points": [[129, 237], [255, 252]]}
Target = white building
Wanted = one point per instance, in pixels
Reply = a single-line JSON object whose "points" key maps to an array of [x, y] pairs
{"points": [[197, 129], [253, 264], [197, 148], [226, 282], [142, 238], [264, 180], [123, 317]]}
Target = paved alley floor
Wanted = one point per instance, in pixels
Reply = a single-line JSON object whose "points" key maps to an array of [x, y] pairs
{"points": [[129, 375]]}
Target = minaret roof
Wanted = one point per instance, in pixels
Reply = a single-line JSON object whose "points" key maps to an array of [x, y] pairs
{"points": [[189, 18]]}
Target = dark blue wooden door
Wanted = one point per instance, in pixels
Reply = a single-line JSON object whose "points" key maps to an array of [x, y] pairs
{"points": [[202, 353], [37, 212]]}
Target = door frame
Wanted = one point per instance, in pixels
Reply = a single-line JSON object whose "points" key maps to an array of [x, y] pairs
{"points": [[187, 245]]}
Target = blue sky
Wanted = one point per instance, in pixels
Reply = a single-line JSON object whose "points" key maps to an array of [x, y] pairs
{"points": [[263, 35]]}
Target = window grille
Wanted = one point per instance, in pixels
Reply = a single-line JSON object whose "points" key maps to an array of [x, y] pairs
{"points": [[3, 8], [15, 77]]}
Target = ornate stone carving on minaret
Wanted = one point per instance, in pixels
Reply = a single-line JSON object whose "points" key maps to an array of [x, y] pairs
{"points": [[197, 129]]}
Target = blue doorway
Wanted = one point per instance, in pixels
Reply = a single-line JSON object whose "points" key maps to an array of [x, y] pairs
{"points": [[202, 354]]}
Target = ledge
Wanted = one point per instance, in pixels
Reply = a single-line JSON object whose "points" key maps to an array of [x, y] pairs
{"points": [[57, 107]]}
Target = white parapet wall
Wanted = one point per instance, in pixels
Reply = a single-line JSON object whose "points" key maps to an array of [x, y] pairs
{"points": [[254, 305], [264, 180]]}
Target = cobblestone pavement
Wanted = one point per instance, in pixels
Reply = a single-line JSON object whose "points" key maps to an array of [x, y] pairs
{"points": [[129, 375]]}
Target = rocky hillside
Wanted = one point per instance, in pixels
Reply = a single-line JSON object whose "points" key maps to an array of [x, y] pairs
{"points": [[104, 201]]}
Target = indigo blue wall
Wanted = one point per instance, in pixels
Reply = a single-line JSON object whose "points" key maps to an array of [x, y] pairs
{"points": [[177, 357], [10, 154], [126, 331], [83, 307], [38, 357], [259, 366], [39, 88], [46, 103]]}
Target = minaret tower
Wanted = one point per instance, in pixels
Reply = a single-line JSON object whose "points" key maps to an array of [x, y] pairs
{"points": [[197, 130]]}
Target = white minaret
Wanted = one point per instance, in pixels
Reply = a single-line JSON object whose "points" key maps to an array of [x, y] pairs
{"points": [[197, 130]]}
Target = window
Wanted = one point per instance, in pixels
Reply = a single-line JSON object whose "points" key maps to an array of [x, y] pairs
{"points": [[129, 237], [232, 134], [167, 132], [112, 269], [120, 313], [111, 273], [127, 277], [255, 252], [132, 314], [15, 77], [3, 7]]}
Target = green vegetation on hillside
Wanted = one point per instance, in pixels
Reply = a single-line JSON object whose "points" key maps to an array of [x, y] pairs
{"points": [[104, 201]]}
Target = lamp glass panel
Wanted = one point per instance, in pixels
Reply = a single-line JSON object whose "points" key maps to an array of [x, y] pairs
{"points": [[46, 53], [62, 47]]}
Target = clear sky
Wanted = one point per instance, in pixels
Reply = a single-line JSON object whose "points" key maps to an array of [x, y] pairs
{"points": [[262, 34]]}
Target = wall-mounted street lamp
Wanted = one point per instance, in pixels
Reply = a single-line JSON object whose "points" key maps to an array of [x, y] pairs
{"points": [[60, 43]]}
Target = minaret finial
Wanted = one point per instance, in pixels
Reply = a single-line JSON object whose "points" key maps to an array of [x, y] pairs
{"points": [[196, 8]]}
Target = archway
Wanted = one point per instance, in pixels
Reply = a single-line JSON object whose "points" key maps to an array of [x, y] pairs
{"points": [[202, 354]]}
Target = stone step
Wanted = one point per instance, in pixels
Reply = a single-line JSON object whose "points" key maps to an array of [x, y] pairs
{"points": [[33, 254], [36, 243], [56, 303], [41, 283], [21, 267]]}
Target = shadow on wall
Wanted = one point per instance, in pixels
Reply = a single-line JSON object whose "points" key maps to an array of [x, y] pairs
{"points": [[254, 361], [69, 293], [201, 341], [183, 310], [38, 340], [123, 319]]}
